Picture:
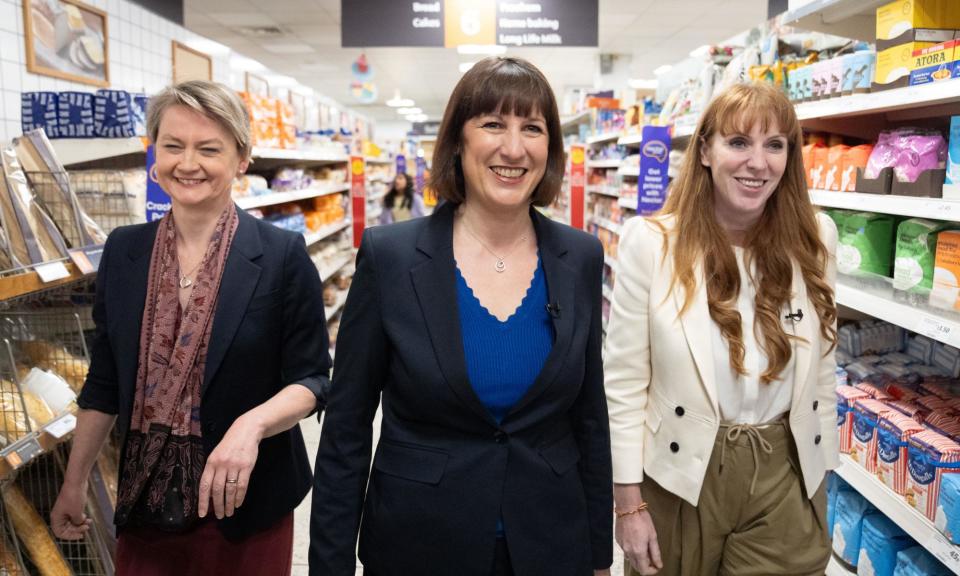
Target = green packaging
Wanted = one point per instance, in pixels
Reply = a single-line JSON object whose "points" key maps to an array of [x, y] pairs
{"points": [[866, 244], [916, 253]]}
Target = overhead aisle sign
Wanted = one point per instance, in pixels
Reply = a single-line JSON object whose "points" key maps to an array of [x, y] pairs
{"points": [[451, 23]]}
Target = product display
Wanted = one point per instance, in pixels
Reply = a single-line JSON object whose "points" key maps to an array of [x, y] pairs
{"points": [[32, 531]]}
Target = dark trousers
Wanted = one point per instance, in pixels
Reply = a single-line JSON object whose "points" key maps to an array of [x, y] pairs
{"points": [[501, 561]]}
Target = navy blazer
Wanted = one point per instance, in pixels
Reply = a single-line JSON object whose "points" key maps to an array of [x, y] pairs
{"points": [[445, 471], [268, 331]]}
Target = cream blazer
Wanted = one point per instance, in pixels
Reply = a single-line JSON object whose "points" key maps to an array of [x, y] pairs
{"points": [[659, 371]]}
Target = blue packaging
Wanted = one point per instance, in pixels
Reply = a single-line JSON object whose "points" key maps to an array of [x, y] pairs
{"points": [[951, 186], [113, 114], [139, 111], [880, 541], [38, 110], [848, 522], [75, 115], [948, 507], [916, 561]]}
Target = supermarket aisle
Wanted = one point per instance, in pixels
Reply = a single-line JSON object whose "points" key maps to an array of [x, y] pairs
{"points": [[311, 435]]}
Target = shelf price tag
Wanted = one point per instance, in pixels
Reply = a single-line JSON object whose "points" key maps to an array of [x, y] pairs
{"points": [[23, 452], [944, 210], [936, 328], [944, 550], [61, 426], [51, 271]]}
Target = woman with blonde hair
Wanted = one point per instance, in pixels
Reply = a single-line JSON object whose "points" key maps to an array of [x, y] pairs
{"points": [[719, 365]]}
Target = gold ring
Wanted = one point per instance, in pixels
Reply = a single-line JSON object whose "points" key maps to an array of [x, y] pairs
{"points": [[234, 481]]}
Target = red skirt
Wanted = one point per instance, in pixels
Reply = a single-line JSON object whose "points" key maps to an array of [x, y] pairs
{"points": [[203, 551]]}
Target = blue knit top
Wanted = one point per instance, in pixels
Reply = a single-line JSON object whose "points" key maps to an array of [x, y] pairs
{"points": [[505, 358]]}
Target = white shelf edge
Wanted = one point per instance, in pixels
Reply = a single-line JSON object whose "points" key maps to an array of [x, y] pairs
{"points": [[314, 237], [628, 203], [603, 191], [909, 317], [248, 202], [847, 18], [606, 137], [372, 160], [331, 311], [629, 171], [610, 163], [604, 223], [881, 101], [899, 512], [328, 271], [377, 196], [80, 150], [302, 155], [916, 207], [632, 140], [375, 179], [574, 119]]}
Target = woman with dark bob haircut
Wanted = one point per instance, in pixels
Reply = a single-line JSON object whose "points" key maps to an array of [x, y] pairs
{"points": [[478, 329]]}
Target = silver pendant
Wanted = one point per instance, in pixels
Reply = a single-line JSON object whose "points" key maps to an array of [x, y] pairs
{"points": [[500, 267], [185, 282]]}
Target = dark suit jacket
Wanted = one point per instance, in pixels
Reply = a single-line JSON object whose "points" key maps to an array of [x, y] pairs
{"points": [[444, 471], [268, 331]]}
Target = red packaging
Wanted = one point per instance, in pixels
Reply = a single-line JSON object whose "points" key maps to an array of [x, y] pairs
{"points": [[893, 433], [846, 396], [863, 448], [929, 457]]}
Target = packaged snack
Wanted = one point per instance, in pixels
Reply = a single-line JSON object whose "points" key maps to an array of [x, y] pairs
{"points": [[945, 292], [855, 157], [834, 167], [916, 255], [866, 244]]}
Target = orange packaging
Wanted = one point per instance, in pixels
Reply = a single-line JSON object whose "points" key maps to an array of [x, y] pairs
{"points": [[596, 102], [818, 167], [856, 157], [833, 167], [807, 152]]}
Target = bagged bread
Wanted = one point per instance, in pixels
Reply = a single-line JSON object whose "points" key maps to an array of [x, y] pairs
{"points": [[41, 239], [58, 359], [15, 421], [34, 534]]}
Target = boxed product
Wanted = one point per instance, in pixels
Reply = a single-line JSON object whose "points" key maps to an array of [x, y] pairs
{"points": [[880, 541], [866, 244], [858, 72], [930, 456], [916, 254], [848, 524], [921, 348], [39, 110], [854, 162], [75, 115], [951, 185], [863, 449], [945, 292], [916, 561], [846, 397], [894, 429], [113, 114], [933, 64], [948, 509], [901, 16], [834, 167]]}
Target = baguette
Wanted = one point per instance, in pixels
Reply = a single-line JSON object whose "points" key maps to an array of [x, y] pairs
{"points": [[9, 565], [34, 534]]}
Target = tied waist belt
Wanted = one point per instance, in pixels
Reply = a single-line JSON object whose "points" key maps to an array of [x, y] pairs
{"points": [[756, 440]]}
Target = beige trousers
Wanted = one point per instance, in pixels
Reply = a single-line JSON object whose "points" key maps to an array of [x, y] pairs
{"points": [[775, 530]]}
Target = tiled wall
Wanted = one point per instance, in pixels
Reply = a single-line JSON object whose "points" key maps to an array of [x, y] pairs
{"points": [[139, 51]]}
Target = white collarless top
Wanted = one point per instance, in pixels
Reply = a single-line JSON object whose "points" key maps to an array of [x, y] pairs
{"points": [[744, 399]]}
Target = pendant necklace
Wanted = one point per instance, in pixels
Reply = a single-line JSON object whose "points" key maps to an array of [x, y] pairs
{"points": [[185, 281], [501, 264]]}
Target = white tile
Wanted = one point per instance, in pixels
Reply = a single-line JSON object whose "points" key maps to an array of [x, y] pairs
{"points": [[6, 140], [3, 98], [10, 48], [46, 84], [125, 10], [11, 76], [13, 128], [113, 7], [11, 108], [29, 82], [9, 17]]}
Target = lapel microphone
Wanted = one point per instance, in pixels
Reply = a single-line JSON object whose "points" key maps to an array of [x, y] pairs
{"points": [[795, 316], [554, 309]]}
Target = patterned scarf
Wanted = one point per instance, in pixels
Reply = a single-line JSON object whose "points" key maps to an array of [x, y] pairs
{"points": [[164, 455]]}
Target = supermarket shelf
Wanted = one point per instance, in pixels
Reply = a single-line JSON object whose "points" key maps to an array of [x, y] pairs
{"points": [[568, 122], [329, 270], [329, 230], [848, 18], [374, 160], [878, 302], [604, 190], [375, 214], [608, 163], [375, 179], [29, 281], [684, 127], [282, 197], [910, 97], [628, 203], [629, 171], [72, 151], [612, 263], [35, 444], [835, 568], [902, 514], [607, 292], [600, 138], [604, 223], [331, 311], [317, 156], [631, 140], [378, 196], [912, 206]]}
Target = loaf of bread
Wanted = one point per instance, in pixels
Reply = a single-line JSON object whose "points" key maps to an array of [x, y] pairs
{"points": [[9, 565], [34, 534], [15, 422], [57, 359]]}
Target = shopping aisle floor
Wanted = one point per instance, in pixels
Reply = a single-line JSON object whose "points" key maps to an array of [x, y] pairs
{"points": [[311, 434]]}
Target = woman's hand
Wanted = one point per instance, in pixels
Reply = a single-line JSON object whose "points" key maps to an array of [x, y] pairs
{"points": [[227, 474], [605, 572], [67, 519], [637, 537]]}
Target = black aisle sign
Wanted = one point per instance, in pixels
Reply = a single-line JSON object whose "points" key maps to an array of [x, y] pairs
{"points": [[450, 23]]}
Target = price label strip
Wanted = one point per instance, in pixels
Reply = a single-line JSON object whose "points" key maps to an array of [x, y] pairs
{"points": [[61, 426], [944, 550], [52, 271], [23, 452], [937, 329]]}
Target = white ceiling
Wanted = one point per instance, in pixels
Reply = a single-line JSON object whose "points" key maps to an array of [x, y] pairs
{"points": [[648, 32]]}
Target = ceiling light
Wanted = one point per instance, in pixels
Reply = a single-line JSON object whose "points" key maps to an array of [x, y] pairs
{"points": [[405, 111], [488, 49], [642, 84], [700, 51], [398, 102], [662, 70], [464, 66], [239, 62], [417, 117]]}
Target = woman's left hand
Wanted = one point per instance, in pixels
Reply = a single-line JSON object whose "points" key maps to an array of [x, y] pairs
{"points": [[601, 572], [227, 473]]}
